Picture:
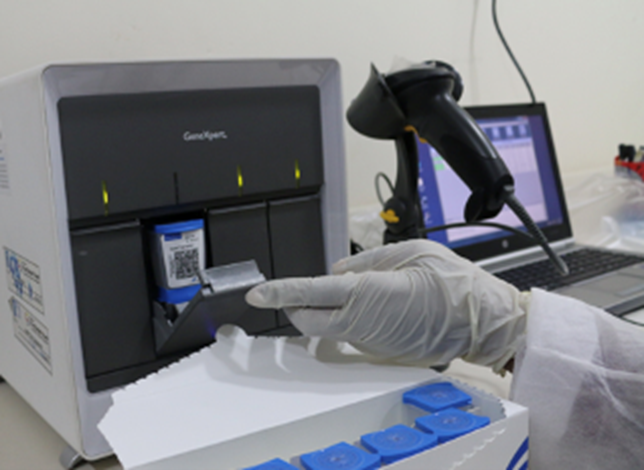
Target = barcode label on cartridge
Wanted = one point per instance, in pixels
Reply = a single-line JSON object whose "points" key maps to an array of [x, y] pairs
{"points": [[184, 256], [185, 264]]}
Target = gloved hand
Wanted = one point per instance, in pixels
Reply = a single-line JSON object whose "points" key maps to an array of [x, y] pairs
{"points": [[414, 302]]}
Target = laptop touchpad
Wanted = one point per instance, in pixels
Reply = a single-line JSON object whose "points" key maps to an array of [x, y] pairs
{"points": [[607, 290]]}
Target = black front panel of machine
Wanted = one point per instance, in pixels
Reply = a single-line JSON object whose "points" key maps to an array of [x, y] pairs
{"points": [[113, 299], [116, 293], [125, 154], [240, 234], [246, 161]]}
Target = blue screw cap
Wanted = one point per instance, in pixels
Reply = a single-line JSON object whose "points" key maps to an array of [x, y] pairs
{"points": [[398, 442], [340, 456], [450, 424], [275, 464], [436, 397]]}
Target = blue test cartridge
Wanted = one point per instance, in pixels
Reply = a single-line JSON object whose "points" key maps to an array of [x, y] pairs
{"points": [[340, 456], [398, 442], [436, 397], [275, 464], [451, 423], [178, 253]]}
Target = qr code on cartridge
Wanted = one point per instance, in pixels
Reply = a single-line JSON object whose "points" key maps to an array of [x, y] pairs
{"points": [[185, 264]]}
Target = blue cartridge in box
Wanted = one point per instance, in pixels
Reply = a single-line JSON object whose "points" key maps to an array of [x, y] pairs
{"points": [[275, 464], [341, 456], [398, 442], [451, 423], [436, 397]]}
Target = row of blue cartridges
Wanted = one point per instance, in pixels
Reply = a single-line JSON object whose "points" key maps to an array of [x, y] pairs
{"points": [[446, 421]]}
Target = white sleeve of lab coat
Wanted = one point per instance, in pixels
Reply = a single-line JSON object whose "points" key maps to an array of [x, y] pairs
{"points": [[581, 374]]}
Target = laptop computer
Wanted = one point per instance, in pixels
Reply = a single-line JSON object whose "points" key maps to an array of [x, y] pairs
{"points": [[611, 280]]}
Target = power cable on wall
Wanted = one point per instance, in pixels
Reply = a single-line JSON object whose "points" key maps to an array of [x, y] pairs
{"points": [[509, 51]]}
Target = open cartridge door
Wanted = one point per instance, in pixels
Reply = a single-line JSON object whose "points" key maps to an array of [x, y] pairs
{"points": [[220, 300]]}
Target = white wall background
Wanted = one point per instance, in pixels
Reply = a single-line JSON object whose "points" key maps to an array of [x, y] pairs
{"points": [[583, 57]]}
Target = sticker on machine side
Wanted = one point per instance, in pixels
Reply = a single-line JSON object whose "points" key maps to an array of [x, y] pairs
{"points": [[4, 166], [23, 278], [31, 332]]}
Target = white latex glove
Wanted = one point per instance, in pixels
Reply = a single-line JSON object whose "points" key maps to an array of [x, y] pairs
{"points": [[414, 302]]}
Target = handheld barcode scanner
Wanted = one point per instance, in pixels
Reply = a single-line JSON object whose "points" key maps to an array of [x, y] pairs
{"points": [[422, 100]]}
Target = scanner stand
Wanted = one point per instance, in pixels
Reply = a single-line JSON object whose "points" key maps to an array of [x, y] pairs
{"points": [[220, 300]]}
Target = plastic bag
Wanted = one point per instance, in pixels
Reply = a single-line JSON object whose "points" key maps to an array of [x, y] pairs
{"points": [[608, 211]]}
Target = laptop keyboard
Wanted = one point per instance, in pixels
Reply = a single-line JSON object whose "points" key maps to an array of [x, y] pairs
{"points": [[583, 264]]}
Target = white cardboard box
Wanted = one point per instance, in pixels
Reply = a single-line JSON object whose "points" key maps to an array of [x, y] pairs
{"points": [[244, 401]]}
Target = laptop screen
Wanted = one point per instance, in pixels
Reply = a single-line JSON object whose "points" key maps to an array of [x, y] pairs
{"points": [[521, 135]]}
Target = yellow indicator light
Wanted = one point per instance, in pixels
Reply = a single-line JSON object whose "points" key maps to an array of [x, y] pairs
{"points": [[415, 131], [240, 179], [297, 173], [390, 216], [106, 198]]}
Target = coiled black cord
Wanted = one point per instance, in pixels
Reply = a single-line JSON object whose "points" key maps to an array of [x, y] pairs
{"points": [[380, 175], [507, 228], [516, 206]]}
